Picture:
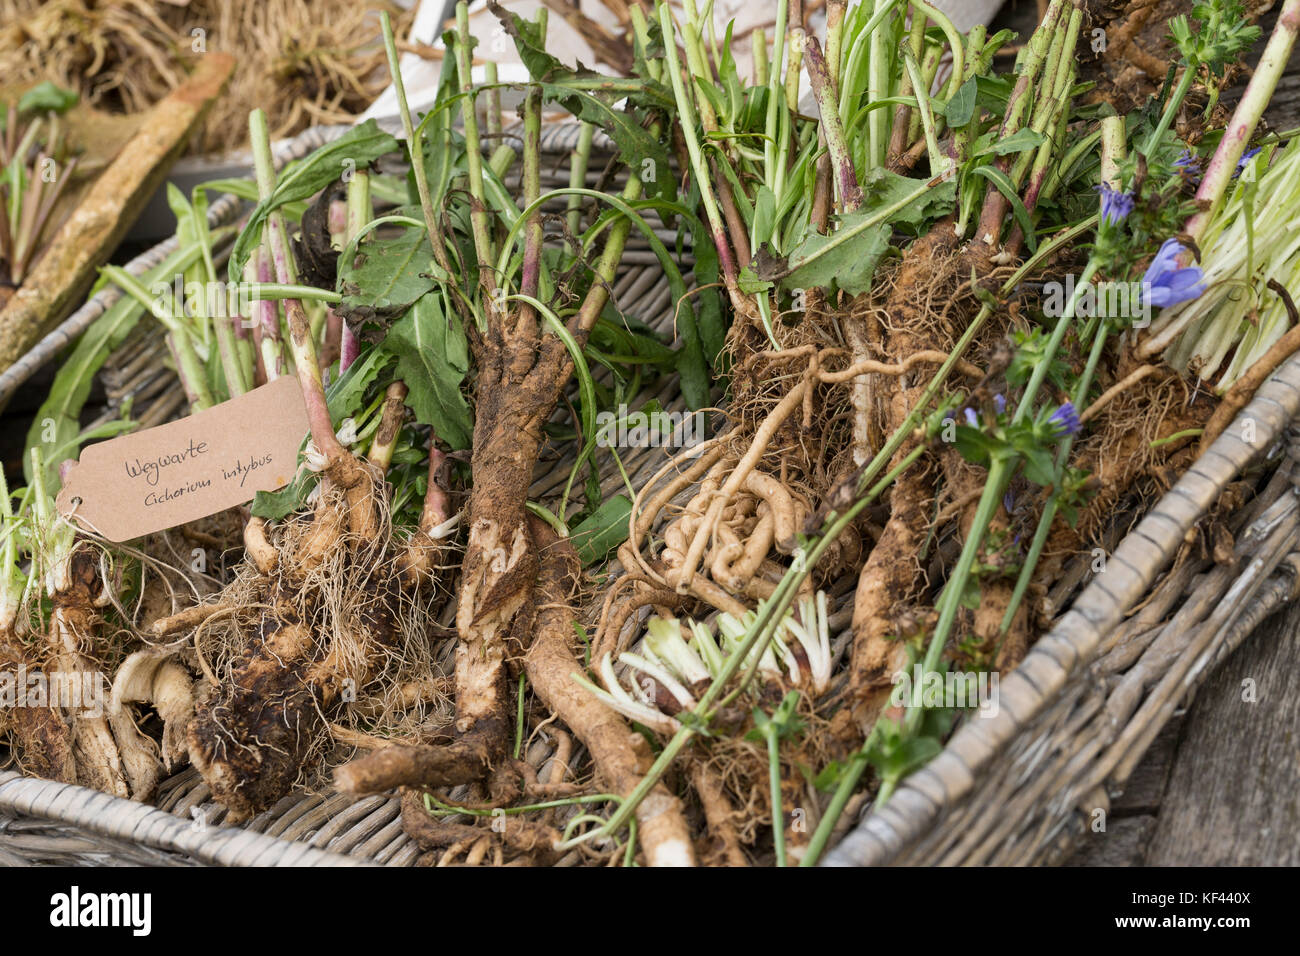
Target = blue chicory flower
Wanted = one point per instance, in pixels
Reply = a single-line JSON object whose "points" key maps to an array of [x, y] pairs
{"points": [[1008, 502], [972, 419], [1246, 157], [1065, 420], [1189, 163], [999, 403], [1167, 283], [1115, 205]]}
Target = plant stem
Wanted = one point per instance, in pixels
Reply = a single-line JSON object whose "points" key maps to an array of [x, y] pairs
{"points": [[473, 152], [1112, 150], [1209, 195], [846, 180], [578, 161], [193, 376], [1171, 109], [493, 108], [857, 763], [758, 42], [939, 163], [1062, 457], [989, 227], [834, 38], [301, 344], [774, 791], [532, 264], [684, 105]]}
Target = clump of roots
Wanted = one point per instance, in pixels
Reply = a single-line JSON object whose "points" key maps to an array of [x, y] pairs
{"points": [[317, 647], [62, 654], [300, 61]]}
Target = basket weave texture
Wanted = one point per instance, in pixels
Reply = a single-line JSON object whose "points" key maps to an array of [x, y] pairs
{"points": [[1018, 787]]}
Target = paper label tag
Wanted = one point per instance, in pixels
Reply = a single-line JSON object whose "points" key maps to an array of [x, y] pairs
{"points": [[188, 469]]}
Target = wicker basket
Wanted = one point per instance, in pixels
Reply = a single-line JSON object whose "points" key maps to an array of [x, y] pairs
{"points": [[1079, 712], [1074, 718], [45, 822]]}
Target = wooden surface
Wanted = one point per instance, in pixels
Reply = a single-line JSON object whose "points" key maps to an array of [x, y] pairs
{"points": [[1222, 785]]}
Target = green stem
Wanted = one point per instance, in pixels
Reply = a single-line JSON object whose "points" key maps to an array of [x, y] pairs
{"points": [[857, 765], [1053, 501], [578, 176], [939, 163], [774, 792], [189, 367], [473, 151], [1171, 108], [414, 143]]}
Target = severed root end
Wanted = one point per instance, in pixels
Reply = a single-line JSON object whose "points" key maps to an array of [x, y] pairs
{"points": [[461, 760], [621, 755]]}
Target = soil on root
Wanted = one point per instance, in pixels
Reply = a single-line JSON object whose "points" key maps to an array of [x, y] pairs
{"points": [[327, 642]]}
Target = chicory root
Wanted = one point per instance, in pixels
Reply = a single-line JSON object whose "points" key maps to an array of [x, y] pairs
{"points": [[620, 754]]}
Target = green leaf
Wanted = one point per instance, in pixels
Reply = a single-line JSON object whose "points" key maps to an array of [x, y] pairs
{"points": [[346, 396], [357, 148], [590, 96], [1017, 142], [906, 756], [750, 283], [386, 276], [1038, 466], [47, 97], [961, 107], [849, 266], [880, 188], [602, 531], [850, 262], [432, 359], [993, 93], [274, 505], [764, 215], [59, 417], [975, 446], [829, 777]]}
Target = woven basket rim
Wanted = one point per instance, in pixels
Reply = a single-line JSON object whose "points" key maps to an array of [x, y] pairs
{"points": [[933, 791]]}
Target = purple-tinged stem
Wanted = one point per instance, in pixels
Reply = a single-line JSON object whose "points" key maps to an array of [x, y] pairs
{"points": [[995, 204], [823, 84], [531, 270], [266, 315], [301, 344], [1222, 166], [349, 348]]}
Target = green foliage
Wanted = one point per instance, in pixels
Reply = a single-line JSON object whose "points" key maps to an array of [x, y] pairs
{"points": [[846, 259], [1222, 34], [432, 359], [386, 276], [355, 149], [591, 97], [71, 387], [1031, 351], [602, 531], [47, 98], [783, 723]]}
